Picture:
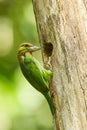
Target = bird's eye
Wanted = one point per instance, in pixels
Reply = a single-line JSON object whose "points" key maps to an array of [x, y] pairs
{"points": [[26, 45]]}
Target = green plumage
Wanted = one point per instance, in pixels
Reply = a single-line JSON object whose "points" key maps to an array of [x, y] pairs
{"points": [[37, 76]]}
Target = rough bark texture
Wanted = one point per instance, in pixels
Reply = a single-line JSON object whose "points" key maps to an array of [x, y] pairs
{"points": [[62, 28]]}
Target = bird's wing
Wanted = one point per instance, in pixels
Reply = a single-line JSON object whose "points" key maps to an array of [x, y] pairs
{"points": [[35, 70], [46, 75]]}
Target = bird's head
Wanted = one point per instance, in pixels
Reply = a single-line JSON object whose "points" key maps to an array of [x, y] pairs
{"points": [[27, 48]]}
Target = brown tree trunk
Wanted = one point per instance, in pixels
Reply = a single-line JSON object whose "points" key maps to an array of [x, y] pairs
{"points": [[62, 29]]}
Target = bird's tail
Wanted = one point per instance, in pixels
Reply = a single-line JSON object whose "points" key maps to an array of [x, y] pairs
{"points": [[50, 102]]}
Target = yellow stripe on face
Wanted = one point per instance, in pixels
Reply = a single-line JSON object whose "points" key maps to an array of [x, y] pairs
{"points": [[21, 48]]}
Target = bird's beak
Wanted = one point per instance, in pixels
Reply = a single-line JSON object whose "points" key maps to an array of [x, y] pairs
{"points": [[34, 48]]}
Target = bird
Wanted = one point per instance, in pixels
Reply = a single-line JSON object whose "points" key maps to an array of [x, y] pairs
{"points": [[35, 74]]}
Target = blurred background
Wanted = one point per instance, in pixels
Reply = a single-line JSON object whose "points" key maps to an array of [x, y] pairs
{"points": [[21, 106]]}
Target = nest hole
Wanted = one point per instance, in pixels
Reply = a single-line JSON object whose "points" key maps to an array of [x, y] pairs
{"points": [[48, 48]]}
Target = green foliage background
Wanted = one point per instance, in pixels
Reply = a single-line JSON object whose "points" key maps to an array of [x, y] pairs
{"points": [[21, 106]]}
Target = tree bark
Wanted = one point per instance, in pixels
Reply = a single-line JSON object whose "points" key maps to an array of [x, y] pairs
{"points": [[62, 29]]}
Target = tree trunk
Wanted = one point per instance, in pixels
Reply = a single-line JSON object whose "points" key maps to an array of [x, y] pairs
{"points": [[62, 29]]}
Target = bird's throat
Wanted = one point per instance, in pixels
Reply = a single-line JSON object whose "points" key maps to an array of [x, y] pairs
{"points": [[27, 53], [23, 54]]}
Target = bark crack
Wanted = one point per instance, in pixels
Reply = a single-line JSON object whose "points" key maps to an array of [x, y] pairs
{"points": [[81, 87]]}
